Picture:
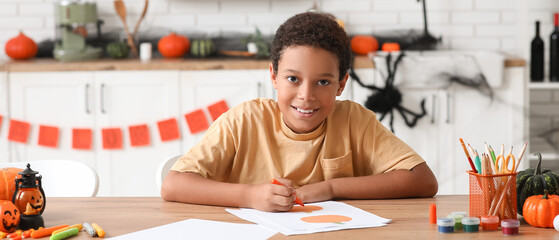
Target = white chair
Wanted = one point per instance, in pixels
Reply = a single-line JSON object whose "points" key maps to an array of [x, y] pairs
{"points": [[163, 169], [63, 178]]}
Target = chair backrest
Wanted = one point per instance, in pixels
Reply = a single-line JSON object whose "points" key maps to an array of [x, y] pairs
{"points": [[63, 178], [163, 169]]}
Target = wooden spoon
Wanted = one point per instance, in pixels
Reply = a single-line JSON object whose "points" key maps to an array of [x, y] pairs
{"points": [[141, 17], [121, 11]]}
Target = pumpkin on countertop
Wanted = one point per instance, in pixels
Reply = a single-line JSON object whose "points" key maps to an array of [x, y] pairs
{"points": [[21, 47], [173, 45], [8, 182], [539, 211], [362, 44], [202, 48], [532, 182]]}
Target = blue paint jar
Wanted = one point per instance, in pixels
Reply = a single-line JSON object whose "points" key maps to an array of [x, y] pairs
{"points": [[471, 224], [446, 225]]}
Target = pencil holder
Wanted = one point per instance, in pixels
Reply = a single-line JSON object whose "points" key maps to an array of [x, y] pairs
{"points": [[493, 195]]}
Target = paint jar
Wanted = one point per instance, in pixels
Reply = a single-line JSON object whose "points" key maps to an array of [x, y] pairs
{"points": [[510, 226], [446, 225], [471, 224], [457, 221], [489, 223]]}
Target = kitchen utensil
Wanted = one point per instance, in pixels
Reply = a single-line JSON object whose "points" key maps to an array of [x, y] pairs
{"points": [[141, 17], [121, 11]]}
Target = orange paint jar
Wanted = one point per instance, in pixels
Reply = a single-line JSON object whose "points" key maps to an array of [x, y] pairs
{"points": [[489, 223]]}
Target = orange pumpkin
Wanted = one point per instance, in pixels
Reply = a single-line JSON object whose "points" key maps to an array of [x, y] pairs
{"points": [[8, 182], [10, 216], [30, 201], [21, 47], [539, 210], [362, 44], [173, 45]]}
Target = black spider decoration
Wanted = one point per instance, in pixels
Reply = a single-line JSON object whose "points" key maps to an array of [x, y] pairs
{"points": [[386, 99]]}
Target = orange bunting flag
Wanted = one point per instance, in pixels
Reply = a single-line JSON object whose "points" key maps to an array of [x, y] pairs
{"points": [[81, 138], [217, 109], [197, 121], [0, 123], [19, 131], [139, 135], [48, 136], [168, 129], [112, 138]]}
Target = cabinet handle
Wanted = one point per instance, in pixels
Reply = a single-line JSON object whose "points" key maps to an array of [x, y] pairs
{"points": [[259, 89], [447, 107], [433, 107], [103, 98], [87, 99]]}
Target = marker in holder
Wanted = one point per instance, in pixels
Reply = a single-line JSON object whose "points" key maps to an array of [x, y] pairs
{"points": [[446, 225]]}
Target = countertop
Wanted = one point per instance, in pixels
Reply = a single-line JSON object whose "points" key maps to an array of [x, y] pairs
{"points": [[42, 65]]}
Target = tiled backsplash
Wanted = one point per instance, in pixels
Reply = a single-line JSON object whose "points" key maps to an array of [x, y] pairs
{"points": [[501, 25]]}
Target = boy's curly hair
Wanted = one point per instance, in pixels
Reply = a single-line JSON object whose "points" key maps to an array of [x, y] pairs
{"points": [[315, 30]]}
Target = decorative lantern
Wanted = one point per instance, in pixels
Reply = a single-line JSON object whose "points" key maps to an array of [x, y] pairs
{"points": [[29, 198]]}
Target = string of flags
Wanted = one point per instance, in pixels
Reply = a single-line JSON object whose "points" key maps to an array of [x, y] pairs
{"points": [[82, 138]]}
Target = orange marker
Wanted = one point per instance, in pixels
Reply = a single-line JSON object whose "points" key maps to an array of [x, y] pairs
{"points": [[433, 214], [99, 230], [46, 231], [297, 200]]}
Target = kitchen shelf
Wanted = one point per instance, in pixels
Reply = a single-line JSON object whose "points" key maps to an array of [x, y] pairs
{"points": [[543, 85]]}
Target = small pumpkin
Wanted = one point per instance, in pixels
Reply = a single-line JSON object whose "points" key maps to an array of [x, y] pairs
{"points": [[10, 216], [539, 211], [531, 182], [362, 44], [173, 45], [8, 182], [118, 50], [202, 48], [21, 47]]}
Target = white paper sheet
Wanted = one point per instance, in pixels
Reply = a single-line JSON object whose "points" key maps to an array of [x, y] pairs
{"points": [[202, 229], [292, 223]]}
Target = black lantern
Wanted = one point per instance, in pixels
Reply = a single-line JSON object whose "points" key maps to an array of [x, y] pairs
{"points": [[29, 198]]}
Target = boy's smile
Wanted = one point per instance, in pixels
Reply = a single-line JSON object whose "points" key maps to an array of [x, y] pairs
{"points": [[308, 82]]}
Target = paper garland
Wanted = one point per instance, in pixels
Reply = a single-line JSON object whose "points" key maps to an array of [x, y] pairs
{"points": [[112, 136]]}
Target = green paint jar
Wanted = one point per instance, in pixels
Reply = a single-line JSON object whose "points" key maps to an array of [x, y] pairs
{"points": [[471, 224], [457, 221]]}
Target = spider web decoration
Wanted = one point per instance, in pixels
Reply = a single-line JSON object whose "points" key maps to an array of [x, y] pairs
{"points": [[385, 100]]}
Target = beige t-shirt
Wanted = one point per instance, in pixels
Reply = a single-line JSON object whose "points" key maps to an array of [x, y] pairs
{"points": [[250, 143]]}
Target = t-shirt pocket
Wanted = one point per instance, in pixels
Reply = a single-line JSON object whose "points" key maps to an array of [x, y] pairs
{"points": [[337, 167]]}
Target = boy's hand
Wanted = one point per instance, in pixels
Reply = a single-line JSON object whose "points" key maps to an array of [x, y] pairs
{"points": [[271, 197], [316, 192]]}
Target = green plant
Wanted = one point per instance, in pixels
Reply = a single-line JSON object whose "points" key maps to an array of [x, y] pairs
{"points": [[531, 182], [118, 50]]}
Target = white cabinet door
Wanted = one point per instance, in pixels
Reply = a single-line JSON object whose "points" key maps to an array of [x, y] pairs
{"points": [[128, 98], [199, 89], [59, 99], [4, 150]]}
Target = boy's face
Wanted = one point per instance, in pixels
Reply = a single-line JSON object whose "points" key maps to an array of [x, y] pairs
{"points": [[308, 82]]}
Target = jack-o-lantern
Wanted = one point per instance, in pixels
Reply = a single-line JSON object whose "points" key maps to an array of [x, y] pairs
{"points": [[10, 216], [30, 201]]}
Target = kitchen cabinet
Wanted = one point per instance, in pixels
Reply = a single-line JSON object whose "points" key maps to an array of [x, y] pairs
{"points": [[200, 89], [4, 151], [98, 100], [458, 112]]}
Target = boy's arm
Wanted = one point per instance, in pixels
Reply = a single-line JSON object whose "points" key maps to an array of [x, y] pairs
{"points": [[192, 188], [417, 182]]}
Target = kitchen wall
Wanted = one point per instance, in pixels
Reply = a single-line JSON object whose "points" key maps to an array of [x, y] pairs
{"points": [[501, 25]]}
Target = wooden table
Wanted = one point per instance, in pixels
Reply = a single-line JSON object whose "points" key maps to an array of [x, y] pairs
{"points": [[410, 217]]}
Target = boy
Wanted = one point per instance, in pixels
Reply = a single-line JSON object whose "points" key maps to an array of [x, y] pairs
{"points": [[323, 148]]}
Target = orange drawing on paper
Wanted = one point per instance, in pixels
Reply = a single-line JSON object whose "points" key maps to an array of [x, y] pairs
{"points": [[326, 219], [307, 208]]}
